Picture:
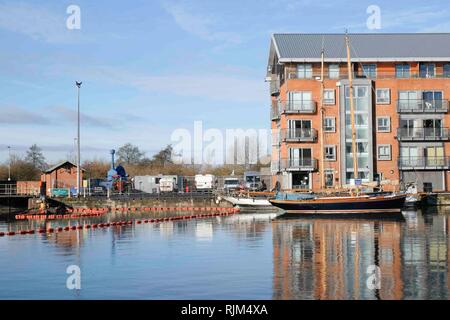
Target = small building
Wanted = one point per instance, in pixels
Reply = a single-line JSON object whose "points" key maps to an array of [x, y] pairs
{"points": [[62, 175]]}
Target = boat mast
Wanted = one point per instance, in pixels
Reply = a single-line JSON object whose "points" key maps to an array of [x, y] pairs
{"points": [[352, 108], [322, 156]]}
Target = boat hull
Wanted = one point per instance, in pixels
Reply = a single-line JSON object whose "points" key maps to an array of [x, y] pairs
{"points": [[376, 205]]}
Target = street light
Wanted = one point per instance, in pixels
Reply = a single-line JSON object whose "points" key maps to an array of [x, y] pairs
{"points": [[78, 84], [9, 163]]}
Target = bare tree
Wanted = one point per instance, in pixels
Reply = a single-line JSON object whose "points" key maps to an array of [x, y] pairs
{"points": [[36, 157], [129, 154]]}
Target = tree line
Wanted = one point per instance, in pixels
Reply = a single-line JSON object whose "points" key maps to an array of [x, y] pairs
{"points": [[30, 167]]}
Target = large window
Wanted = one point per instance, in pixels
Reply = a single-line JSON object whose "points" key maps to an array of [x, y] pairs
{"points": [[426, 70], [300, 100], [333, 71], [362, 106], [299, 129], [304, 71], [369, 70], [383, 96], [300, 157], [432, 99], [402, 71]]}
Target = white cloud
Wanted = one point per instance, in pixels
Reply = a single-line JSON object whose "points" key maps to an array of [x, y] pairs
{"points": [[37, 22], [200, 26]]}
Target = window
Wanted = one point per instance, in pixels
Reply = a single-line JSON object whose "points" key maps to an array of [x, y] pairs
{"points": [[304, 71], [384, 152], [383, 96], [299, 129], [384, 124], [447, 70], [369, 70], [426, 70], [300, 157], [329, 177], [300, 101], [402, 71], [330, 153], [329, 124], [333, 71], [328, 96]]}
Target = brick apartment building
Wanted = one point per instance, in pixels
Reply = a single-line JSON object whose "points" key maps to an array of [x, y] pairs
{"points": [[401, 91]]}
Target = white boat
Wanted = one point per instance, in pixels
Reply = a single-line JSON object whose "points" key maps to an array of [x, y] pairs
{"points": [[247, 201]]}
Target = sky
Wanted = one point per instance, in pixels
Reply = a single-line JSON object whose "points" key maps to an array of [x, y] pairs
{"points": [[150, 67]]}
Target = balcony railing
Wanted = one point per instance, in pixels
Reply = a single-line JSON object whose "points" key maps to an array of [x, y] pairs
{"points": [[299, 135], [375, 76], [300, 106], [304, 164], [274, 113], [423, 162], [422, 106], [422, 134]]}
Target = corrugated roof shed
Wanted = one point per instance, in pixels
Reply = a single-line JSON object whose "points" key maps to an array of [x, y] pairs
{"points": [[364, 46]]}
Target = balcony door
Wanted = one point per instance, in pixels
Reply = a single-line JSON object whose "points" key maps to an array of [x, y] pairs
{"points": [[300, 157], [299, 129], [432, 99], [409, 100], [434, 156], [409, 156], [432, 128], [300, 100]]}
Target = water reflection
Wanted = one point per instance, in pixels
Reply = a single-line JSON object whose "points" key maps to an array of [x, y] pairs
{"points": [[244, 256], [329, 259]]}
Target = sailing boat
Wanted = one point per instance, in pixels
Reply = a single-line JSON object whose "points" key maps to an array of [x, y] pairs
{"points": [[366, 204]]}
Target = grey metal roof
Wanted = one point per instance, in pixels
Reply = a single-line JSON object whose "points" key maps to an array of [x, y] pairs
{"points": [[364, 46]]}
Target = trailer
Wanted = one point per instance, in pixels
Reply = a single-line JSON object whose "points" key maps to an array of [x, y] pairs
{"points": [[147, 184], [205, 182]]}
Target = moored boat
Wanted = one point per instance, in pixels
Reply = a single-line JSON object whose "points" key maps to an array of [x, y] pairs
{"points": [[342, 205]]}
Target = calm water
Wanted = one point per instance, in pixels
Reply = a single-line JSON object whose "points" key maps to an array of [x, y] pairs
{"points": [[237, 257]]}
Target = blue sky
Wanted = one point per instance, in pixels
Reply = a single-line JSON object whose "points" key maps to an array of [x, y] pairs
{"points": [[149, 67]]}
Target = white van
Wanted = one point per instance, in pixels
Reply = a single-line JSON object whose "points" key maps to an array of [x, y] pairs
{"points": [[168, 184], [204, 181]]}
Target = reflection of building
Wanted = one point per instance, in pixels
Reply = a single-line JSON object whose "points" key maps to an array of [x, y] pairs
{"points": [[328, 259]]}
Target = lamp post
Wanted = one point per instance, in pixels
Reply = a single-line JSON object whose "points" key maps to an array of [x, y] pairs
{"points": [[78, 84], [9, 163]]}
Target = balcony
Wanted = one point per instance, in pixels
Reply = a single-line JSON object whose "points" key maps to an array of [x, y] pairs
{"points": [[298, 107], [422, 106], [422, 134], [275, 87], [274, 113], [373, 76], [424, 163], [299, 135], [305, 164]]}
